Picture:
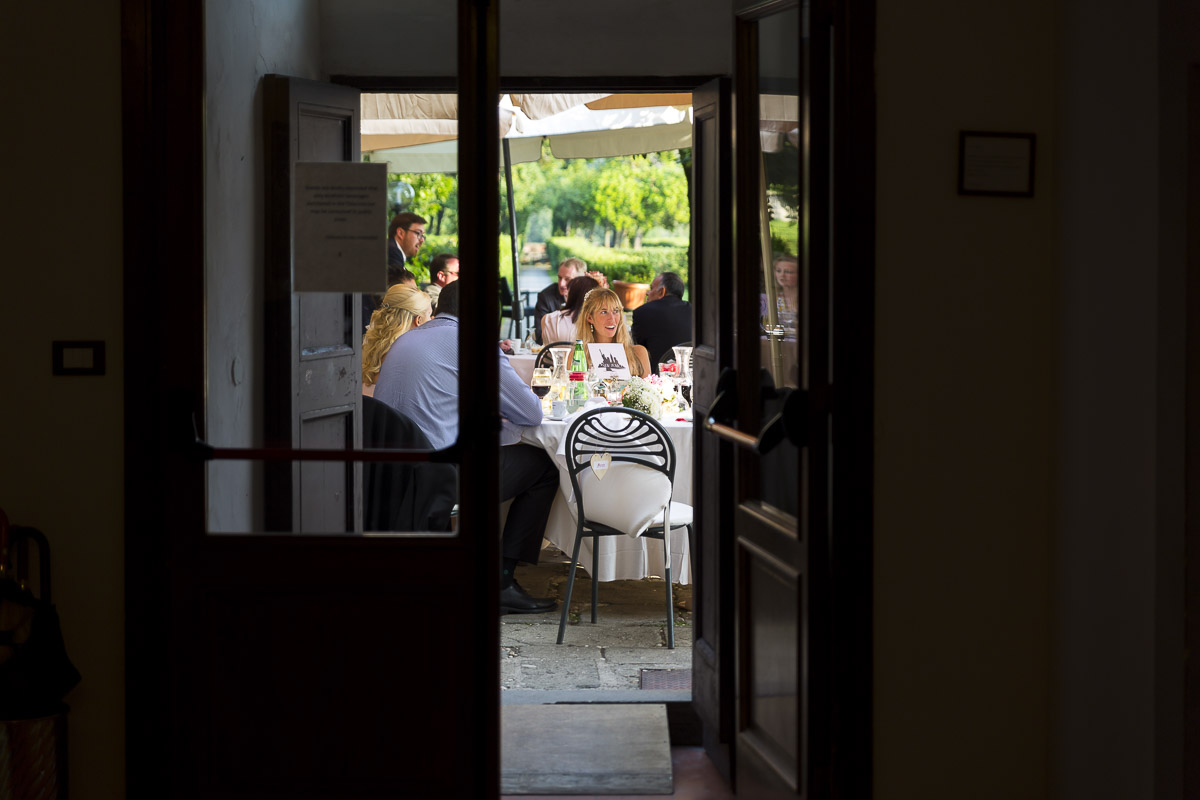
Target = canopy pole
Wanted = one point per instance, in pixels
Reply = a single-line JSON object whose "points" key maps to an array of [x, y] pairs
{"points": [[518, 311]]}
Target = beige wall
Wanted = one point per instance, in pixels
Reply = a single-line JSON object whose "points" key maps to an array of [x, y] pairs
{"points": [[966, 362], [61, 438]]}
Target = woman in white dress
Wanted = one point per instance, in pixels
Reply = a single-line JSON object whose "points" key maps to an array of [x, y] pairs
{"points": [[559, 326]]}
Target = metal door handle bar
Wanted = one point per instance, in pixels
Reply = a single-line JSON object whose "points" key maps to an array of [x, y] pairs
{"points": [[787, 424], [206, 452]]}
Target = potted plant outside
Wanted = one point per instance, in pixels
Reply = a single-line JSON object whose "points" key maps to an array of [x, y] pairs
{"points": [[632, 285]]}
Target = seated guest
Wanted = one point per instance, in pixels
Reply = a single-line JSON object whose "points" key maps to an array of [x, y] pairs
{"points": [[443, 270], [404, 307], [395, 275], [787, 293], [665, 320], [602, 319], [419, 378], [401, 275], [559, 326], [554, 296]]}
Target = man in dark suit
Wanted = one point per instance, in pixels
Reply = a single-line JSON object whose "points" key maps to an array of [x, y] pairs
{"points": [[665, 320], [554, 296], [406, 234]]}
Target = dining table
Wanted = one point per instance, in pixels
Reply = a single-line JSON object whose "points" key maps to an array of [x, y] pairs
{"points": [[620, 557], [522, 362]]}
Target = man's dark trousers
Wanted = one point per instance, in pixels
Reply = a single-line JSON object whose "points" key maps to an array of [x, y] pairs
{"points": [[529, 478]]}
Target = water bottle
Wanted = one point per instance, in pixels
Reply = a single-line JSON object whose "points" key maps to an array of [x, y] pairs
{"points": [[577, 388], [579, 357], [577, 392]]}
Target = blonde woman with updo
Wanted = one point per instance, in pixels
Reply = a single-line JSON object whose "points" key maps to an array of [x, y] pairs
{"points": [[403, 308], [602, 320]]}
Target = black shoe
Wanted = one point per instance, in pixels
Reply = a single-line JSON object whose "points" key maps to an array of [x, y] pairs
{"points": [[515, 600]]}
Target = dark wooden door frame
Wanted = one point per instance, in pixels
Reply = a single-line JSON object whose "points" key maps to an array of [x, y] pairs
{"points": [[1191, 632], [851, 550], [163, 85], [845, 756], [163, 70], [162, 103]]}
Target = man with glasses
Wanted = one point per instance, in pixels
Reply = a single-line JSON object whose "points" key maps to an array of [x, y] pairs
{"points": [[406, 234], [443, 271]]}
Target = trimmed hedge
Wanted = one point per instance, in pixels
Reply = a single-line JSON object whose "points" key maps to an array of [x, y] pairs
{"points": [[621, 264], [665, 241]]}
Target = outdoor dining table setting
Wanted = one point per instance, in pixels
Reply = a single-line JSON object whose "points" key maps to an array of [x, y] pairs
{"points": [[619, 557]]}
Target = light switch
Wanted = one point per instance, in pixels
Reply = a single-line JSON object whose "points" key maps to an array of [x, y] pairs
{"points": [[78, 358]]}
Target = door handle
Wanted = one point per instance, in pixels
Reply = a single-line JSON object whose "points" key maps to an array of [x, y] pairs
{"points": [[787, 424], [722, 409]]}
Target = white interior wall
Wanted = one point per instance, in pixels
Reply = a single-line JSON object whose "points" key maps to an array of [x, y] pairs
{"points": [[244, 42]]}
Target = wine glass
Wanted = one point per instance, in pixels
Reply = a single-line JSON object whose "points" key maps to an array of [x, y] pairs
{"points": [[540, 384]]}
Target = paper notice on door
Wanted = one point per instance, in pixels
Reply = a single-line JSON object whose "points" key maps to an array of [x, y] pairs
{"points": [[339, 227]]}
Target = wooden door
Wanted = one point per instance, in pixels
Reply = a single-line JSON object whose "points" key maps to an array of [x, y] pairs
{"points": [[793, 303], [712, 301], [770, 406], [322, 665], [313, 340], [781, 515]]}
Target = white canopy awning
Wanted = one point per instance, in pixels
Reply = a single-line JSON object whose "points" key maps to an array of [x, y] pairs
{"points": [[417, 133]]}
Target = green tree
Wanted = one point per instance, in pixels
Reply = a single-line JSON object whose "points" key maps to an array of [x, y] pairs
{"points": [[633, 195], [436, 199]]}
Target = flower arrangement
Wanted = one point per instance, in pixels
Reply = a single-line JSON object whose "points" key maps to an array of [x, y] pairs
{"points": [[648, 395]]}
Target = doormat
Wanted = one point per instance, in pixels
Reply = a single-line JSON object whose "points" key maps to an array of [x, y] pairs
{"points": [[585, 749], [666, 679]]}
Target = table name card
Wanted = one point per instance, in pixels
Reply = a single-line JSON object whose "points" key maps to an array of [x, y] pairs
{"points": [[609, 361]]}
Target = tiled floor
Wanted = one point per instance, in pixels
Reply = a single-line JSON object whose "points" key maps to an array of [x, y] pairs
{"points": [[627, 608], [695, 779]]}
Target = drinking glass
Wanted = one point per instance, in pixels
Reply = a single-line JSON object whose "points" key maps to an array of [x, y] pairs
{"points": [[612, 390], [540, 383], [683, 363], [560, 356]]}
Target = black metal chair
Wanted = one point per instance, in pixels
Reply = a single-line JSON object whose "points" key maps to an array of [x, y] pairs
{"points": [[404, 496], [625, 497], [524, 312], [545, 357]]}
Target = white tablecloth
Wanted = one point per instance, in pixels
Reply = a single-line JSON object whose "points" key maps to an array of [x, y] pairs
{"points": [[523, 364], [621, 557]]}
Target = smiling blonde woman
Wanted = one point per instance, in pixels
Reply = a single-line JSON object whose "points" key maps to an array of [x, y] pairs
{"points": [[602, 320], [403, 308]]}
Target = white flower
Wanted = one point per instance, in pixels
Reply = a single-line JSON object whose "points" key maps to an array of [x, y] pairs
{"points": [[649, 396]]}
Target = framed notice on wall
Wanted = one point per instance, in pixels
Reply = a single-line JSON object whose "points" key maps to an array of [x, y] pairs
{"points": [[995, 164]]}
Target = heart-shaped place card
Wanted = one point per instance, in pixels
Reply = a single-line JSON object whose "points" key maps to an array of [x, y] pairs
{"points": [[600, 465]]}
